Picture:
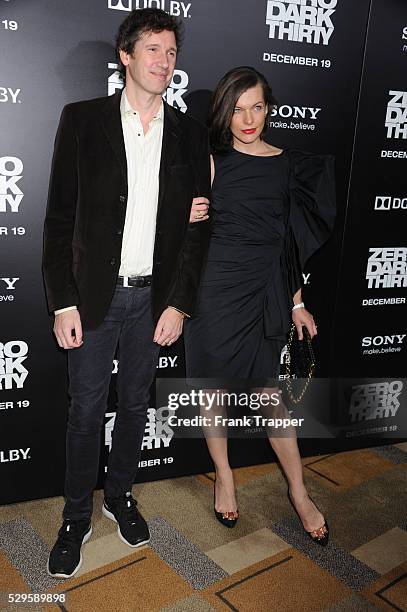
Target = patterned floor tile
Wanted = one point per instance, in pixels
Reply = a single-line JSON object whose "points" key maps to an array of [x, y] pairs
{"points": [[390, 591], [392, 453], [11, 582], [345, 470], [191, 604], [248, 550], [360, 514], [390, 491], [186, 559], [241, 475], [10, 512], [384, 552], [128, 584], [27, 552], [193, 516], [191, 510], [355, 603], [45, 516], [362, 493], [262, 501], [332, 558], [285, 582], [101, 551]]}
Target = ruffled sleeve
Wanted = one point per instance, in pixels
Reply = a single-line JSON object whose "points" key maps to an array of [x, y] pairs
{"points": [[312, 212], [310, 220]]}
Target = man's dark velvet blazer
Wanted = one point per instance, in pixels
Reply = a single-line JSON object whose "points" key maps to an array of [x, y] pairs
{"points": [[87, 208]]}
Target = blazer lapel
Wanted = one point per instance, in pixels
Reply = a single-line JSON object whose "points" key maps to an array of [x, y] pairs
{"points": [[171, 134], [112, 126]]}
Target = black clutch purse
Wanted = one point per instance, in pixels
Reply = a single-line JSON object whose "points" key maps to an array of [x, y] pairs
{"points": [[300, 364]]}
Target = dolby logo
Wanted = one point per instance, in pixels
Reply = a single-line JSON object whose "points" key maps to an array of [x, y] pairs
{"points": [[390, 203], [14, 454], [173, 7], [7, 94], [163, 363], [167, 362]]}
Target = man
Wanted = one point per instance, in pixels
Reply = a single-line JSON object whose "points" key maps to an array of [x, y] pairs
{"points": [[121, 265]]}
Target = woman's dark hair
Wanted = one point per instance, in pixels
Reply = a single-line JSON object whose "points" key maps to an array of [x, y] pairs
{"points": [[137, 23], [231, 86]]}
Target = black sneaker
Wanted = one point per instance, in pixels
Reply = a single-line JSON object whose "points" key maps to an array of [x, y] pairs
{"points": [[66, 558], [132, 528]]}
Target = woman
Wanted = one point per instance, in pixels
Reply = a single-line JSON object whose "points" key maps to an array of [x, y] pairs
{"points": [[272, 209]]}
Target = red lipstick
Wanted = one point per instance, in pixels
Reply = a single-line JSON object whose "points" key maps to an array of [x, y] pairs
{"points": [[251, 131]]}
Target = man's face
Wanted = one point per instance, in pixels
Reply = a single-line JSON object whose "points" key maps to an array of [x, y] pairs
{"points": [[151, 65]]}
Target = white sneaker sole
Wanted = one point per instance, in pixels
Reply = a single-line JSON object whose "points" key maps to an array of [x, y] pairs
{"points": [[85, 539], [111, 516]]}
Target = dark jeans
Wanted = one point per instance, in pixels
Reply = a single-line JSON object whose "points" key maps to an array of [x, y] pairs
{"points": [[128, 325]]}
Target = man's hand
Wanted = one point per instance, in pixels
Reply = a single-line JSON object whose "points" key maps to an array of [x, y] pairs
{"points": [[169, 327], [64, 323], [199, 210], [301, 317]]}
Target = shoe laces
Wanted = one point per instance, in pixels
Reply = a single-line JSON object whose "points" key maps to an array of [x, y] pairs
{"points": [[68, 536], [129, 508]]}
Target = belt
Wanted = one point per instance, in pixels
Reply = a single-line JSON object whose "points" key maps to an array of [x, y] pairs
{"points": [[134, 281]]}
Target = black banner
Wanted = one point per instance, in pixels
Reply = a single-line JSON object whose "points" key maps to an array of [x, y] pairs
{"points": [[337, 68]]}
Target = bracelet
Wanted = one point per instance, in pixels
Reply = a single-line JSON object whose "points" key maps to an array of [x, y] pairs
{"points": [[300, 305], [184, 314]]}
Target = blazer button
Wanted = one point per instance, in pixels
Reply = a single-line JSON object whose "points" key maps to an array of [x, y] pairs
{"points": [[119, 232], [122, 198], [113, 261]]}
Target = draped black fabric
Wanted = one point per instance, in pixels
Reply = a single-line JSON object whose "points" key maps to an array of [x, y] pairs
{"points": [[312, 201], [270, 214], [311, 217]]}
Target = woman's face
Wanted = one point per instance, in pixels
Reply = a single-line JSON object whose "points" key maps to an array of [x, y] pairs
{"points": [[249, 116]]}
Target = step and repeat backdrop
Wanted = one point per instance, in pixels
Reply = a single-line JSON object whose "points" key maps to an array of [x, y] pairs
{"points": [[338, 71]]}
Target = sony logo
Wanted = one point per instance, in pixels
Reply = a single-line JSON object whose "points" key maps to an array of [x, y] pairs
{"points": [[296, 112], [383, 340], [10, 282]]}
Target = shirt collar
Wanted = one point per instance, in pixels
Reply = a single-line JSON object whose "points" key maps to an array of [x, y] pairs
{"points": [[127, 110]]}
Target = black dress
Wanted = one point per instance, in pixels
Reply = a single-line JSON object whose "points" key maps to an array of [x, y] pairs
{"points": [[270, 214]]}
